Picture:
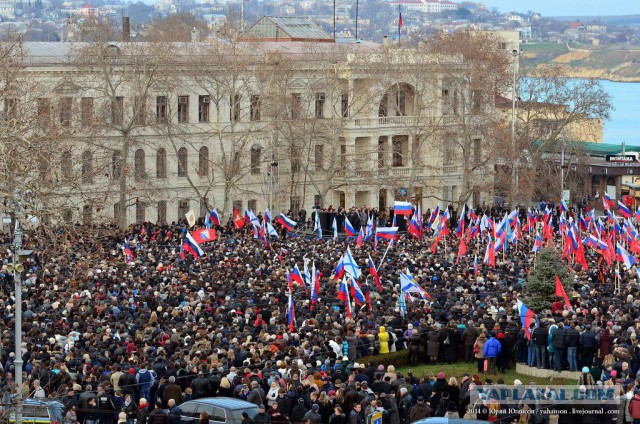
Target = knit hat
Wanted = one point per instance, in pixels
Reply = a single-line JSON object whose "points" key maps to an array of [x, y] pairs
{"points": [[585, 369], [441, 375]]}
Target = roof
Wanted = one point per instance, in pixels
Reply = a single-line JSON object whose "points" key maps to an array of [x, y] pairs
{"points": [[226, 402], [271, 28], [591, 148]]}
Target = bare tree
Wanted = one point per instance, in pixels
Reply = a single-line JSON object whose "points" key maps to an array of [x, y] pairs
{"points": [[553, 113]]}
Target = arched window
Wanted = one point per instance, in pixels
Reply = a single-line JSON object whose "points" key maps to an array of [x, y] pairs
{"points": [[256, 157], [203, 161], [66, 165], [87, 167], [161, 163], [139, 165], [116, 165], [182, 162]]}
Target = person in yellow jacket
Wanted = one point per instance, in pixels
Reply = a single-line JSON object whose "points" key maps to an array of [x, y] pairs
{"points": [[383, 338]]}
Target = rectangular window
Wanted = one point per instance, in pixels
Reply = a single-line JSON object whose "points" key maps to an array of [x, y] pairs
{"points": [[477, 101], [295, 163], [183, 109], [320, 99], [183, 208], [162, 212], [398, 157], [477, 151], [116, 210], [317, 200], [87, 215], [203, 109], [319, 157], [295, 203], [237, 204], [235, 108], [10, 108], [161, 109], [255, 160], [256, 105], [344, 105], [44, 111], [252, 204], [343, 156], [141, 209], [140, 110], [86, 111], [296, 104], [117, 110], [382, 151]]}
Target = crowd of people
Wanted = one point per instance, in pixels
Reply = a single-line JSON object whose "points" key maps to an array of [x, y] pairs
{"points": [[105, 334]]}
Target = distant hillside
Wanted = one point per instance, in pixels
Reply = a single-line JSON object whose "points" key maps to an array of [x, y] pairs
{"points": [[610, 20], [616, 63]]}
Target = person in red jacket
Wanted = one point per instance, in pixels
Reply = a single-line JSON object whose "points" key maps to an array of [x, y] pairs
{"points": [[634, 407]]}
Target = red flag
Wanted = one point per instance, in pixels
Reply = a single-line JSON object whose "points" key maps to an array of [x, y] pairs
{"points": [[238, 221], [462, 250], [580, 257], [434, 246], [561, 293], [204, 235]]}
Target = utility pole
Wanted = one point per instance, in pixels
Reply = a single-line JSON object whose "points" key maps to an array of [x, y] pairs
{"points": [[17, 279]]}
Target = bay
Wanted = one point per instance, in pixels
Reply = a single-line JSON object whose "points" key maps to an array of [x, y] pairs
{"points": [[624, 124]]}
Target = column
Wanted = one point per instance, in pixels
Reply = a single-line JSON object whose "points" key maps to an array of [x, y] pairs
{"points": [[350, 142]]}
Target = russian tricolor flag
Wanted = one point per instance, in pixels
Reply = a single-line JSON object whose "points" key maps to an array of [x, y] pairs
{"points": [[286, 222], [356, 292], [374, 273], [296, 275], [402, 208], [348, 228], [191, 246], [608, 202], [624, 256], [291, 313], [526, 317], [343, 291], [339, 271], [214, 217], [388, 233], [128, 254], [624, 210]]}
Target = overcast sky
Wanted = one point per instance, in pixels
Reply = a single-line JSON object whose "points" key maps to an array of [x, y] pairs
{"points": [[568, 7]]}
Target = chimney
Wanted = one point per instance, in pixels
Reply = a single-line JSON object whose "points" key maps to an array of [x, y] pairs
{"points": [[195, 36], [126, 29], [385, 40]]}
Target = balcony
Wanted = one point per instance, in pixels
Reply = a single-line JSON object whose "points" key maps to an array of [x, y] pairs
{"points": [[404, 121], [380, 172]]}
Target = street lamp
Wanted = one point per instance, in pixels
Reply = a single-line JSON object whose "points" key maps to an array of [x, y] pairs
{"points": [[17, 268], [514, 173]]}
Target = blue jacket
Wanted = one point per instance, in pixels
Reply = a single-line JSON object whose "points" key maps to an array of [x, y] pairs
{"points": [[492, 348]]}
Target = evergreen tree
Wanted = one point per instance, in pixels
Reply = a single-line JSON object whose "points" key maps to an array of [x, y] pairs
{"points": [[540, 285]]}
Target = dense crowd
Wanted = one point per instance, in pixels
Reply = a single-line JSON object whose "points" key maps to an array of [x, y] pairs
{"points": [[145, 336]]}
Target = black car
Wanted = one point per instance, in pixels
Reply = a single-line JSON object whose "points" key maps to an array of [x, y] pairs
{"points": [[219, 409]]}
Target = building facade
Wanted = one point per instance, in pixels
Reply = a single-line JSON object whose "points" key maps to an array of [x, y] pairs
{"points": [[141, 132]]}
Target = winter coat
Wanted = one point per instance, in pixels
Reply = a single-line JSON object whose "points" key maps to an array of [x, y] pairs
{"points": [[480, 342], [605, 343], [634, 407], [433, 343], [383, 338], [492, 348]]}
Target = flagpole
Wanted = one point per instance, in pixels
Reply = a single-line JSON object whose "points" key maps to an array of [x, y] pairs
{"points": [[357, 4], [399, 24], [383, 256], [334, 20]]}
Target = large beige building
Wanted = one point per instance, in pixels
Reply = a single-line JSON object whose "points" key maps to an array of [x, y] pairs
{"points": [[162, 129]]}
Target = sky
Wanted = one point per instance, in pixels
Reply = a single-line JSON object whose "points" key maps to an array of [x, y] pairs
{"points": [[568, 7]]}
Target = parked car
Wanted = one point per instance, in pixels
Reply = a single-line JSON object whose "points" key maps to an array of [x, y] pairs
{"points": [[39, 411], [219, 409]]}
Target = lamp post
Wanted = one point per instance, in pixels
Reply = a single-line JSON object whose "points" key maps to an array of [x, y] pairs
{"points": [[514, 173]]}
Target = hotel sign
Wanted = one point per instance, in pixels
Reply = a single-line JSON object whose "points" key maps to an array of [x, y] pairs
{"points": [[621, 158]]}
